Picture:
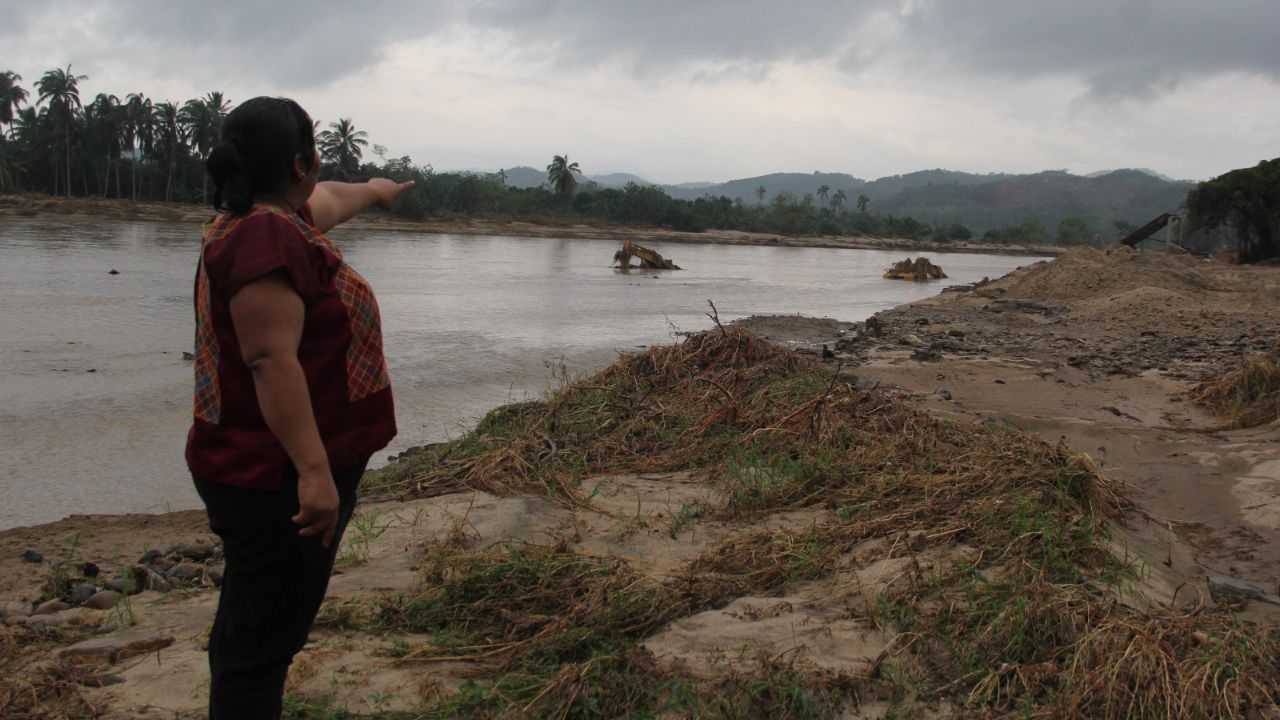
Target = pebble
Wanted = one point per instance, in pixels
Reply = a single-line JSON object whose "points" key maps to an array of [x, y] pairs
{"points": [[912, 340], [43, 621], [150, 556], [49, 607], [185, 571], [15, 608], [117, 646], [82, 592], [90, 570], [32, 556], [866, 382], [102, 600], [125, 585], [943, 393], [193, 551], [155, 582]]}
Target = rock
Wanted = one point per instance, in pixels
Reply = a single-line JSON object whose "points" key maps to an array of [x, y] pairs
{"points": [[193, 551], [90, 570], [102, 600], [866, 382], [82, 592], [32, 556], [943, 393], [922, 321], [40, 622], [117, 647], [123, 585], [15, 609], [49, 607], [926, 355], [1225, 589], [956, 333], [154, 581], [185, 571], [912, 340], [113, 271], [215, 577], [150, 556]]}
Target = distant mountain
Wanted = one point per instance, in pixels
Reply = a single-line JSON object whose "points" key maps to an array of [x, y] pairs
{"points": [[1131, 196], [795, 183], [523, 176], [617, 180], [945, 197]]}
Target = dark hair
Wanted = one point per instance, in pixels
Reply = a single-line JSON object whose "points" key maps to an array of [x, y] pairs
{"points": [[255, 155]]}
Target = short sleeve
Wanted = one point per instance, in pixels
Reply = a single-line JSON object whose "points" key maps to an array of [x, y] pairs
{"points": [[260, 245]]}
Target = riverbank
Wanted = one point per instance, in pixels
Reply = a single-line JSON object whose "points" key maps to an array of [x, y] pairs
{"points": [[31, 205], [996, 499]]}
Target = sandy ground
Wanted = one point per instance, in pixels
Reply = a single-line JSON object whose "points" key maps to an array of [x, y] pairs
{"points": [[1096, 349]]}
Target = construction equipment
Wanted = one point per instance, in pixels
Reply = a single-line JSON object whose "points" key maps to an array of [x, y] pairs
{"points": [[649, 260], [1167, 221], [920, 269]]}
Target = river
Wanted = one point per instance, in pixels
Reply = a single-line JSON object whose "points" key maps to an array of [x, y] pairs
{"points": [[95, 394]]}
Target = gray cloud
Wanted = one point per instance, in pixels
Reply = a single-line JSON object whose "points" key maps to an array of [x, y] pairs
{"points": [[1117, 47]]}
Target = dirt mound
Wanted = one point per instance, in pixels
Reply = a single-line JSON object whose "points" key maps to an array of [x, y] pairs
{"points": [[1090, 272]]}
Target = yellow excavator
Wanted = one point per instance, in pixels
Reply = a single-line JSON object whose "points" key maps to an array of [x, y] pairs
{"points": [[649, 260]]}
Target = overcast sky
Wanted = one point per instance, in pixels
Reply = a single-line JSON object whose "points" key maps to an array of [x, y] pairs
{"points": [[684, 90]]}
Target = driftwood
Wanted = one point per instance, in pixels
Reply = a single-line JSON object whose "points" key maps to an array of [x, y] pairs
{"points": [[919, 269]]}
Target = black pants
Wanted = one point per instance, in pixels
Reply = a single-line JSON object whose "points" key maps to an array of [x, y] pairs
{"points": [[272, 586]]}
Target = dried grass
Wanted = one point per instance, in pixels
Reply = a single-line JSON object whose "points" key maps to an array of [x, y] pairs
{"points": [[1247, 395], [1017, 630]]}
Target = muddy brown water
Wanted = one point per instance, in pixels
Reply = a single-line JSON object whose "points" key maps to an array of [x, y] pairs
{"points": [[94, 391]]}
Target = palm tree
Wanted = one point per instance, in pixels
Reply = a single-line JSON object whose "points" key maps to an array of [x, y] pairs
{"points": [[760, 192], [202, 122], [11, 96], [169, 134], [58, 88], [106, 123], [340, 147], [560, 176], [862, 203], [837, 200], [140, 115], [823, 192]]}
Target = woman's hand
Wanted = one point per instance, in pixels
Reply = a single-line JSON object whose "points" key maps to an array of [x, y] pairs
{"points": [[386, 191], [317, 506], [333, 203]]}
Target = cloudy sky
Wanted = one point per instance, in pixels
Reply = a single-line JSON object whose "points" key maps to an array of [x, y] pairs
{"points": [[685, 90]]}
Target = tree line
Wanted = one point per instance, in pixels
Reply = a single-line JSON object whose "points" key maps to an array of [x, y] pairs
{"points": [[53, 141]]}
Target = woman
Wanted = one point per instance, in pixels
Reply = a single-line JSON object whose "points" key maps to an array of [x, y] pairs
{"points": [[291, 393]]}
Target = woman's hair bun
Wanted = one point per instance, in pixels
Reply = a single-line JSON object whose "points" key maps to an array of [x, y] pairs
{"points": [[260, 139]]}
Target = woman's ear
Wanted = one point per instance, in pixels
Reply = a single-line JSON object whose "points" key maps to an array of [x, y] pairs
{"points": [[299, 168]]}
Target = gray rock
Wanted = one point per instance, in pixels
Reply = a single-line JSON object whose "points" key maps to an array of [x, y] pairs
{"points": [[150, 556], [32, 556], [39, 622], [185, 571], [102, 600], [154, 581], [911, 340], [943, 393], [866, 382], [118, 646], [15, 609], [1228, 589], [193, 551], [82, 592], [123, 585], [49, 607], [215, 577], [90, 570]]}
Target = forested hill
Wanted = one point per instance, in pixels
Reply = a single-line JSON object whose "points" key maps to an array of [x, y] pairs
{"points": [[944, 197]]}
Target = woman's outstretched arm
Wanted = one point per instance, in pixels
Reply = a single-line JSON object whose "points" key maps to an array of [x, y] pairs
{"points": [[333, 203]]}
